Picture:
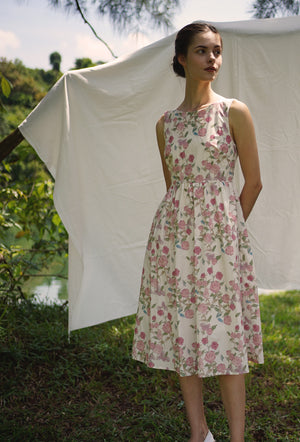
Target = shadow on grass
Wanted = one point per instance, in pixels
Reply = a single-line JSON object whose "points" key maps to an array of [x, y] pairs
{"points": [[89, 389]]}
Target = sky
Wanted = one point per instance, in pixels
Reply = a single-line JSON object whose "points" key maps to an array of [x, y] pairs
{"points": [[31, 30]]}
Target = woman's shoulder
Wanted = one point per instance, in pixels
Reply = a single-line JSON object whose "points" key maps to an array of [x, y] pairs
{"points": [[160, 124], [238, 110]]}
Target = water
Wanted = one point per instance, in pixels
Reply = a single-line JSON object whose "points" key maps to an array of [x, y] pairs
{"points": [[54, 290]]}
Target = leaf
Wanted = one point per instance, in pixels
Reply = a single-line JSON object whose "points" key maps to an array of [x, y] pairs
{"points": [[56, 219], [6, 86]]}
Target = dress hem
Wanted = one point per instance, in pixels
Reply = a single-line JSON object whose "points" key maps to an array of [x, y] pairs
{"points": [[200, 375]]}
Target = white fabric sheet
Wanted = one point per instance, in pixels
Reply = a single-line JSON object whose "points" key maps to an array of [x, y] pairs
{"points": [[95, 130]]}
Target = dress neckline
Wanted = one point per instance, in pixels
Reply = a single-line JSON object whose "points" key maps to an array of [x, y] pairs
{"points": [[200, 109]]}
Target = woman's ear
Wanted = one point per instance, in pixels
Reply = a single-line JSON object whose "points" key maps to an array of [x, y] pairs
{"points": [[181, 59]]}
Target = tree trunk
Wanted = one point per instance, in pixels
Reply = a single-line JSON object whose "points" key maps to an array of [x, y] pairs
{"points": [[9, 143]]}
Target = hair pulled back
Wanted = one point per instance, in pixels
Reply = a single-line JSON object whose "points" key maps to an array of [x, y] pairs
{"points": [[184, 38]]}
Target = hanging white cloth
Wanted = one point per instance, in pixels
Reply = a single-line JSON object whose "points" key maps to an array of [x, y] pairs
{"points": [[95, 130]]}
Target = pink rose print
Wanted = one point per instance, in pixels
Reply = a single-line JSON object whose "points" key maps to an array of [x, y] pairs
{"points": [[160, 312], [142, 335], [210, 357], [214, 345], [215, 286], [140, 345], [182, 154], [179, 341], [202, 132], [202, 308], [221, 368], [188, 169], [219, 275], [229, 250], [227, 320], [257, 339], [185, 245], [182, 224], [165, 250], [225, 298], [191, 158], [197, 250], [185, 293], [218, 217], [190, 361], [167, 328], [189, 314], [207, 238], [167, 150], [199, 192], [204, 341], [199, 178], [163, 261]]}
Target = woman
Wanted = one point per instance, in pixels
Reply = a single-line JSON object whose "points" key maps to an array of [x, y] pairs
{"points": [[198, 310]]}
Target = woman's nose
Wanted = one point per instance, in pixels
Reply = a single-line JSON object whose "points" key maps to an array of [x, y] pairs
{"points": [[211, 56]]}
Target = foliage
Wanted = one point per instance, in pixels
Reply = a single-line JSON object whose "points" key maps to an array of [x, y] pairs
{"points": [[89, 388], [55, 60], [81, 63], [127, 14], [5, 88], [275, 8], [31, 233], [29, 85]]}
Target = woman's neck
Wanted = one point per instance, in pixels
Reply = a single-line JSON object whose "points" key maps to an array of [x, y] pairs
{"points": [[197, 95]]}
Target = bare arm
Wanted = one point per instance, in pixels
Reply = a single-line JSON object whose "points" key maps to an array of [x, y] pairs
{"points": [[243, 132], [161, 144]]}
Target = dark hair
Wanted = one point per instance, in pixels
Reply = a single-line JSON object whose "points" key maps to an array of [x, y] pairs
{"points": [[183, 40]]}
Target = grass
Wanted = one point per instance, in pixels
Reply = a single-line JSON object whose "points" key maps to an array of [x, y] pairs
{"points": [[89, 388]]}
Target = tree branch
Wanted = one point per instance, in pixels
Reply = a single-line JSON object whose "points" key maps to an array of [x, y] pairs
{"points": [[9, 143], [93, 30]]}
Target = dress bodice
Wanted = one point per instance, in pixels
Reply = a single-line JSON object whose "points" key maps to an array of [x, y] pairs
{"points": [[198, 144]]}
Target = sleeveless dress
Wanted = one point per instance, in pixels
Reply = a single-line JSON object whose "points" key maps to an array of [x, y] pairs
{"points": [[198, 310]]}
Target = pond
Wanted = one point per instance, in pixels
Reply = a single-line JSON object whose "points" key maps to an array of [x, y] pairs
{"points": [[50, 289], [54, 290]]}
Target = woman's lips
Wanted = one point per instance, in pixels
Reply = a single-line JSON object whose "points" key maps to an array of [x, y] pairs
{"points": [[210, 69]]}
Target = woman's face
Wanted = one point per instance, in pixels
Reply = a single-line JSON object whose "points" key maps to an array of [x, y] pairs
{"points": [[204, 57]]}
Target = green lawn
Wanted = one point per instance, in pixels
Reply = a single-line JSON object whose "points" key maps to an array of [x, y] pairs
{"points": [[89, 389]]}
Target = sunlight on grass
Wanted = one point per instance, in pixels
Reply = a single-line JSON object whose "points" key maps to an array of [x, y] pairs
{"points": [[90, 389]]}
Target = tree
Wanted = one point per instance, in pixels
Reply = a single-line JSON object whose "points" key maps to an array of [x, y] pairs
{"points": [[126, 13], [275, 8], [55, 60], [81, 63]]}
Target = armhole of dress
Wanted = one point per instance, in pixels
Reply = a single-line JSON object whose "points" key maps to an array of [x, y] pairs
{"points": [[229, 103], [165, 114]]}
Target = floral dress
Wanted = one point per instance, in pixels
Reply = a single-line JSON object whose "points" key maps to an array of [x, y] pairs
{"points": [[198, 310]]}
